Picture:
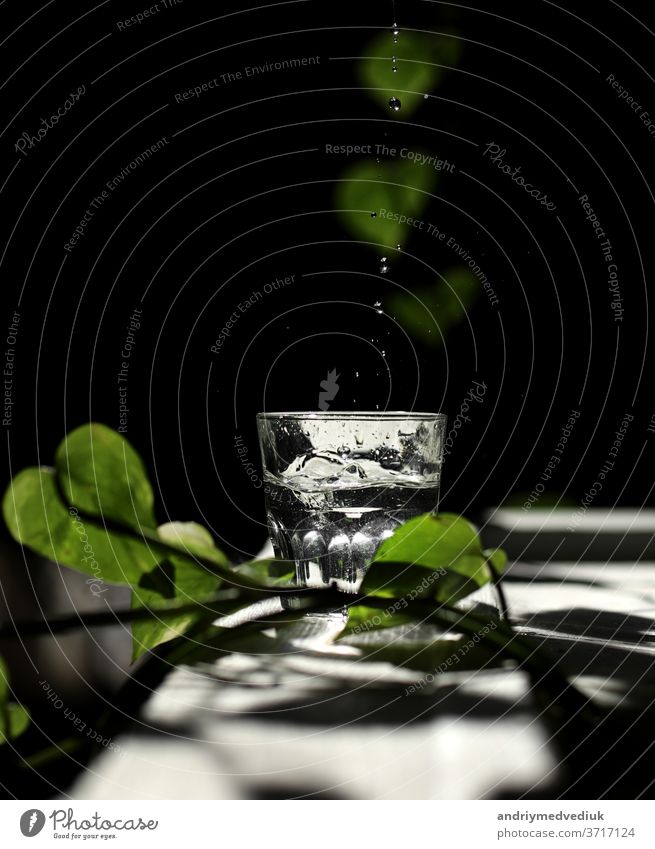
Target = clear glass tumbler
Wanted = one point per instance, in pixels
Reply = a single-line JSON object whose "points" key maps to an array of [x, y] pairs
{"points": [[338, 484]]}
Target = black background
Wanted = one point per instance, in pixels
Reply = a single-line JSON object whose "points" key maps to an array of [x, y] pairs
{"points": [[244, 192]]}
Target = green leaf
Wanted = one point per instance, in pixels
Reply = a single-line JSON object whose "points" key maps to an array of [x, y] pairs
{"points": [[179, 577], [270, 571], [14, 718], [430, 312], [418, 60], [4, 682], [396, 187], [363, 620], [498, 559], [193, 539], [438, 557], [437, 656], [18, 722], [430, 540], [445, 585], [37, 517], [101, 474]]}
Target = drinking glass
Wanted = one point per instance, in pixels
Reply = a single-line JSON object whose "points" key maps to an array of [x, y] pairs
{"points": [[338, 484]]}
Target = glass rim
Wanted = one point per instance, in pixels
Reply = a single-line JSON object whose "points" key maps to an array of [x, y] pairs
{"points": [[374, 415]]}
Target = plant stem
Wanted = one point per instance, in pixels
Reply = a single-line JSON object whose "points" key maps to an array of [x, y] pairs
{"points": [[53, 753], [306, 599]]}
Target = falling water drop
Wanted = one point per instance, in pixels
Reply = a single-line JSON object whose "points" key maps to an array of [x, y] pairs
{"points": [[378, 307], [394, 104], [384, 267], [398, 248], [374, 215]]}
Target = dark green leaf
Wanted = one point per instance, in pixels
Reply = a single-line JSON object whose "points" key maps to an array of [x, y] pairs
{"points": [[4, 682], [14, 718], [101, 474], [18, 720], [272, 571], [429, 312], [363, 619], [178, 577], [445, 585]]}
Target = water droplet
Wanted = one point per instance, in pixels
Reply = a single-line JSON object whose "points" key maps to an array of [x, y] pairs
{"points": [[377, 161], [356, 374], [394, 69], [425, 97], [384, 267], [394, 104], [378, 307], [394, 30], [398, 248], [374, 215], [384, 353]]}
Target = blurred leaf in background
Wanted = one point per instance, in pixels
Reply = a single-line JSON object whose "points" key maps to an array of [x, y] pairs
{"points": [[429, 313], [421, 62], [399, 187], [14, 718], [376, 199]]}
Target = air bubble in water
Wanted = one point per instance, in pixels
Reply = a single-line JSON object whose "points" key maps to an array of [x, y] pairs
{"points": [[394, 104]]}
